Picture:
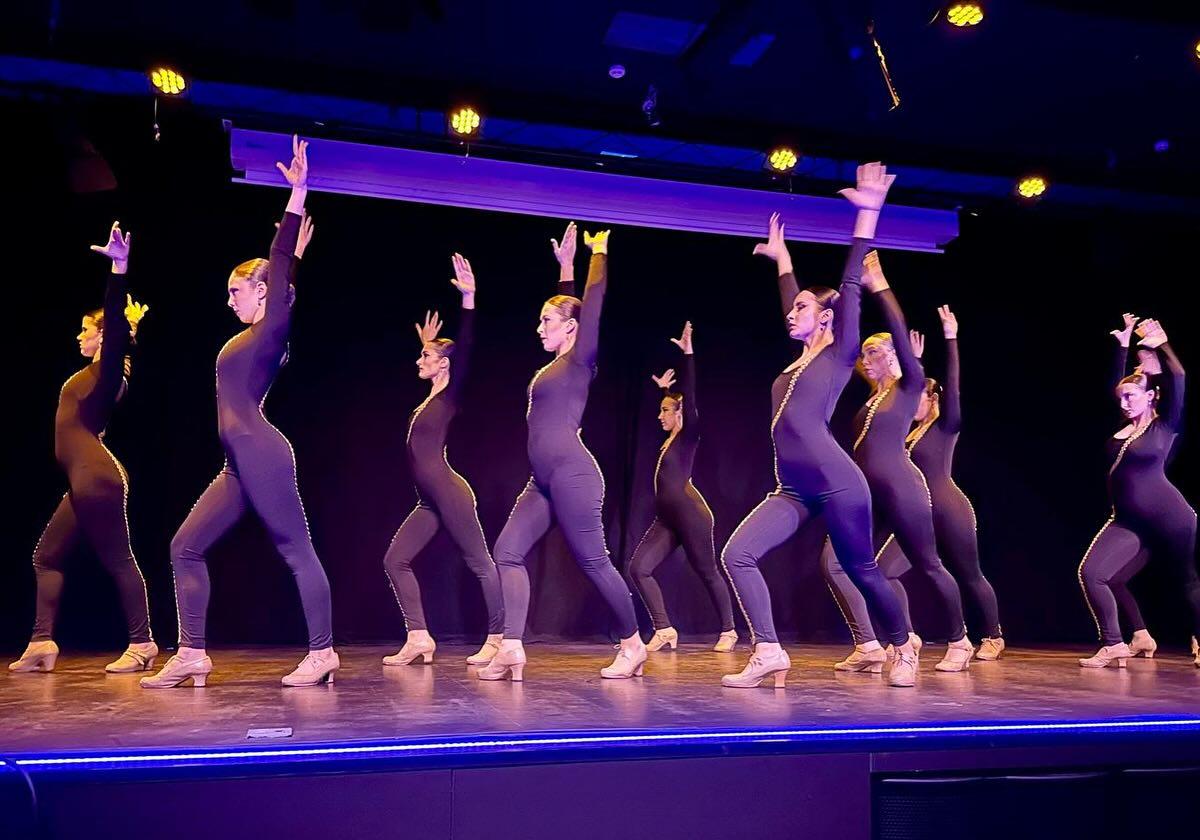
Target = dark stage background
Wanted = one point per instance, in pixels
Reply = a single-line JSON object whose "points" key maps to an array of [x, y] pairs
{"points": [[1036, 294]]}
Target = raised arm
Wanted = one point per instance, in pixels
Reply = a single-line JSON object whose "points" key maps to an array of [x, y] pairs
{"points": [[464, 281], [282, 268], [687, 381], [776, 248], [587, 340], [1121, 357], [950, 410], [912, 373], [116, 327], [868, 196], [1170, 407]]}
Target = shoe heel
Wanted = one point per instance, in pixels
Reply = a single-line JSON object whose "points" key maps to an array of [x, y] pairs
{"points": [[427, 658], [674, 643], [875, 668], [149, 665], [1121, 663], [198, 680], [780, 678], [638, 672], [1149, 654], [47, 663], [518, 672]]}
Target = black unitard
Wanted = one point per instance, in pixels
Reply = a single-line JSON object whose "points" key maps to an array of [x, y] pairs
{"points": [[1149, 513], [260, 467], [814, 473], [899, 494], [566, 484], [953, 516], [444, 499], [93, 509], [681, 516]]}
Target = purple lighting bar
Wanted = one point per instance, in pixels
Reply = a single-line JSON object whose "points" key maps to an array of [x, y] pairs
{"points": [[507, 187]]}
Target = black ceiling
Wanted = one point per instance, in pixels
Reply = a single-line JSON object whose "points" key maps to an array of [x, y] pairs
{"points": [[1068, 88]]}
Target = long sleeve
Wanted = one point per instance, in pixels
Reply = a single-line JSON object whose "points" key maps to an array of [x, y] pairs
{"points": [[1120, 361], [116, 339], [461, 361], [687, 387], [912, 373], [587, 343], [950, 410], [848, 307], [788, 289], [280, 274], [1172, 404]]}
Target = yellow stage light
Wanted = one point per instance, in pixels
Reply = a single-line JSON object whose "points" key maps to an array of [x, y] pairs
{"points": [[464, 122], [167, 81], [782, 160], [1032, 186], [964, 14]]}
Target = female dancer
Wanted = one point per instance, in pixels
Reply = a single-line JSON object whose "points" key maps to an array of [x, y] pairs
{"points": [[93, 508], [681, 516], [566, 484], [260, 468], [1142, 642], [1148, 511], [814, 474], [902, 501], [443, 496], [931, 445]]}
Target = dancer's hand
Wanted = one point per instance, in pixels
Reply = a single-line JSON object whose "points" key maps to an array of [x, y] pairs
{"points": [[918, 343], [872, 188], [598, 243], [564, 252], [1125, 333], [116, 248], [872, 276], [949, 322], [297, 173], [134, 313], [776, 245], [428, 332], [306, 233], [1152, 334], [464, 280], [684, 342], [667, 380]]}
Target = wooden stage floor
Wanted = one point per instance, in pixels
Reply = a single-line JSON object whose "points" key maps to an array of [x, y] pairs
{"points": [[78, 707]]}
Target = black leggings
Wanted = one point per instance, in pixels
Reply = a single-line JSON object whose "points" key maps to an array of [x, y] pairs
{"points": [[1120, 550], [848, 518], [574, 496], [260, 476], [92, 510], [694, 531], [452, 506], [902, 509]]}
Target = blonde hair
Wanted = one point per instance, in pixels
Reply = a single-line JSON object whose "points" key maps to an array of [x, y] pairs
{"points": [[566, 306], [255, 271]]}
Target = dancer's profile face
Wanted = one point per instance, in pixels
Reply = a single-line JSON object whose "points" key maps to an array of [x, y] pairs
{"points": [[878, 360], [1148, 363], [246, 298], [806, 316], [1135, 400], [431, 362], [553, 329], [669, 415], [925, 405], [90, 336]]}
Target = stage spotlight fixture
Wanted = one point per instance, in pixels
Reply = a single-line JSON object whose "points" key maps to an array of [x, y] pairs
{"points": [[964, 14], [167, 81], [464, 122], [1198, 49], [617, 71], [781, 160], [1032, 186], [650, 107]]}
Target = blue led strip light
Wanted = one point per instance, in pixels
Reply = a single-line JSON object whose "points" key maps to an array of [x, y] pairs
{"points": [[500, 744]]}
